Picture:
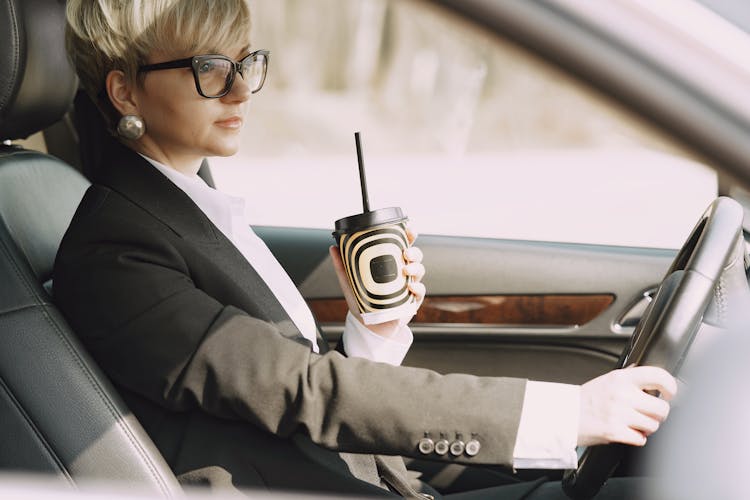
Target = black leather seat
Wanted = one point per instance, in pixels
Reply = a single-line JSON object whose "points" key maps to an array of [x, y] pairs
{"points": [[58, 413]]}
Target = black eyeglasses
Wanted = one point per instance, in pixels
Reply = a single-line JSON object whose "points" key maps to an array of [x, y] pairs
{"points": [[214, 73]]}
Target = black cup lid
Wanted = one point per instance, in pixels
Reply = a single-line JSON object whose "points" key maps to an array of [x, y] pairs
{"points": [[364, 220]]}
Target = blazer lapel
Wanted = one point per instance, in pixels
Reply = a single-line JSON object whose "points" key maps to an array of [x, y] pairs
{"points": [[135, 178], [126, 172]]}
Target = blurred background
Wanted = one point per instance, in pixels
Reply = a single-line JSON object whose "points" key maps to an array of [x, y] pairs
{"points": [[470, 134]]}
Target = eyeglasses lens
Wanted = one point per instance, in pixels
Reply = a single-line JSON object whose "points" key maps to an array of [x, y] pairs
{"points": [[214, 76], [254, 71]]}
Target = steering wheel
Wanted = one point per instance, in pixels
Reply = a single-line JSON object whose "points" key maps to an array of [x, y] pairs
{"points": [[704, 284]]}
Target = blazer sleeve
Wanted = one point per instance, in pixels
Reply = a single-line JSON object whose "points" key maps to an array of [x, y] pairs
{"points": [[130, 297]]}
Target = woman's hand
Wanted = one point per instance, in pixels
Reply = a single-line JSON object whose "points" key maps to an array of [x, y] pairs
{"points": [[615, 408], [413, 269]]}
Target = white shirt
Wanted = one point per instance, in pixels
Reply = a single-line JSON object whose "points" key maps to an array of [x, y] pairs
{"points": [[541, 443], [227, 213]]}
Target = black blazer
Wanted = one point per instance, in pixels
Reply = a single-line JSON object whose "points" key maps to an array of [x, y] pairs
{"points": [[220, 376]]}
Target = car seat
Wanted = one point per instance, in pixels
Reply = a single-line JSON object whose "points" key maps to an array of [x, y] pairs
{"points": [[58, 413]]}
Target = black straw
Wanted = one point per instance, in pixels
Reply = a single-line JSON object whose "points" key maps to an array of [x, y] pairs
{"points": [[362, 178]]}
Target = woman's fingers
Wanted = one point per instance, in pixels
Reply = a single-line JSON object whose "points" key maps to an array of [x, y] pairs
{"points": [[418, 290], [630, 436], [615, 408], [413, 254], [651, 406], [643, 423], [414, 267], [415, 271], [411, 235], [653, 378]]}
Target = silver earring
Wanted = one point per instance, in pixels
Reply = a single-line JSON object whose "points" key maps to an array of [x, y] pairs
{"points": [[131, 127]]}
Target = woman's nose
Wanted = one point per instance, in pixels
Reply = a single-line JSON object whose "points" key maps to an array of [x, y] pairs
{"points": [[240, 90]]}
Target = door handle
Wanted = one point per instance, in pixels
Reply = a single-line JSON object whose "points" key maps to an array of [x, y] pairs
{"points": [[625, 323]]}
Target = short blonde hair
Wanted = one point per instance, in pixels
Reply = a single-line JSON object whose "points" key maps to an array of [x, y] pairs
{"points": [[106, 35]]}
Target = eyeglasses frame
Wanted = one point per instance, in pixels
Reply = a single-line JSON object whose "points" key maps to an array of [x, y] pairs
{"points": [[194, 62]]}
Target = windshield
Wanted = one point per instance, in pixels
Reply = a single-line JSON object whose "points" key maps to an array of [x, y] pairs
{"points": [[469, 133]]}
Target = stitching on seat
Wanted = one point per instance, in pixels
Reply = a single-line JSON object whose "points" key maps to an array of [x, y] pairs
{"points": [[11, 258], [40, 437], [14, 67], [117, 416]]}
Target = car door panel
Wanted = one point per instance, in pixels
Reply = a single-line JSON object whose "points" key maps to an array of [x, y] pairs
{"points": [[546, 311]]}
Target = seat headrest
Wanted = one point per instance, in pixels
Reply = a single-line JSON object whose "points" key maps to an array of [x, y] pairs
{"points": [[37, 82]]}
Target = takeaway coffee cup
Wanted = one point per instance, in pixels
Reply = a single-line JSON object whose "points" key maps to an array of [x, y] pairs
{"points": [[372, 248]]}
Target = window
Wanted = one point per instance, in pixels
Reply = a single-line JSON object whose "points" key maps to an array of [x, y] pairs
{"points": [[468, 133]]}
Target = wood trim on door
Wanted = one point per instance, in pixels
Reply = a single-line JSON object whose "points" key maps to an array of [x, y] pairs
{"points": [[521, 310]]}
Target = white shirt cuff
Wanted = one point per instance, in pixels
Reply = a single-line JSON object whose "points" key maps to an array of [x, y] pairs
{"points": [[548, 432], [360, 342]]}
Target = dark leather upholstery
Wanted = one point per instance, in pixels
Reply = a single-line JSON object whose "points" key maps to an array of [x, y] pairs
{"points": [[36, 83], [58, 413], [38, 195]]}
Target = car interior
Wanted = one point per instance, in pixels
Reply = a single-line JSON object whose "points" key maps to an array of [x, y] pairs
{"points": [[62, 417]]}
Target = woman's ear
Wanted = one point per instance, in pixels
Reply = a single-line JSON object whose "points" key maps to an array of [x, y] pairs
{"points": [[120, 93]]}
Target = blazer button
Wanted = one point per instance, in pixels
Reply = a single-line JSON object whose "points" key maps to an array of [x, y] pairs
{"points": [[426, 446], [441, 447], [472, 447], [457, 447]]}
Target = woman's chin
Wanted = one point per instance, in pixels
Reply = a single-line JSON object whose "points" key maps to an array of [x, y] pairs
{"points": [[227, 148]]}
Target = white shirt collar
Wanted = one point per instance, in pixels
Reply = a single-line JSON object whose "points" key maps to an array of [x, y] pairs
{"points": [[219, 207], [227, 213]]}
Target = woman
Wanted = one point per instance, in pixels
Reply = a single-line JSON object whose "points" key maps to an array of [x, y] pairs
{"points": [[203, 332]]}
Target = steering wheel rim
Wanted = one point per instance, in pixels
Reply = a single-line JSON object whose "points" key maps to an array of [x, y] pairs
{"points": [[668, 327]]}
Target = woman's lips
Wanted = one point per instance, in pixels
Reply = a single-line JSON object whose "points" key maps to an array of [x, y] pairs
{"points": [[233, 122]]}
